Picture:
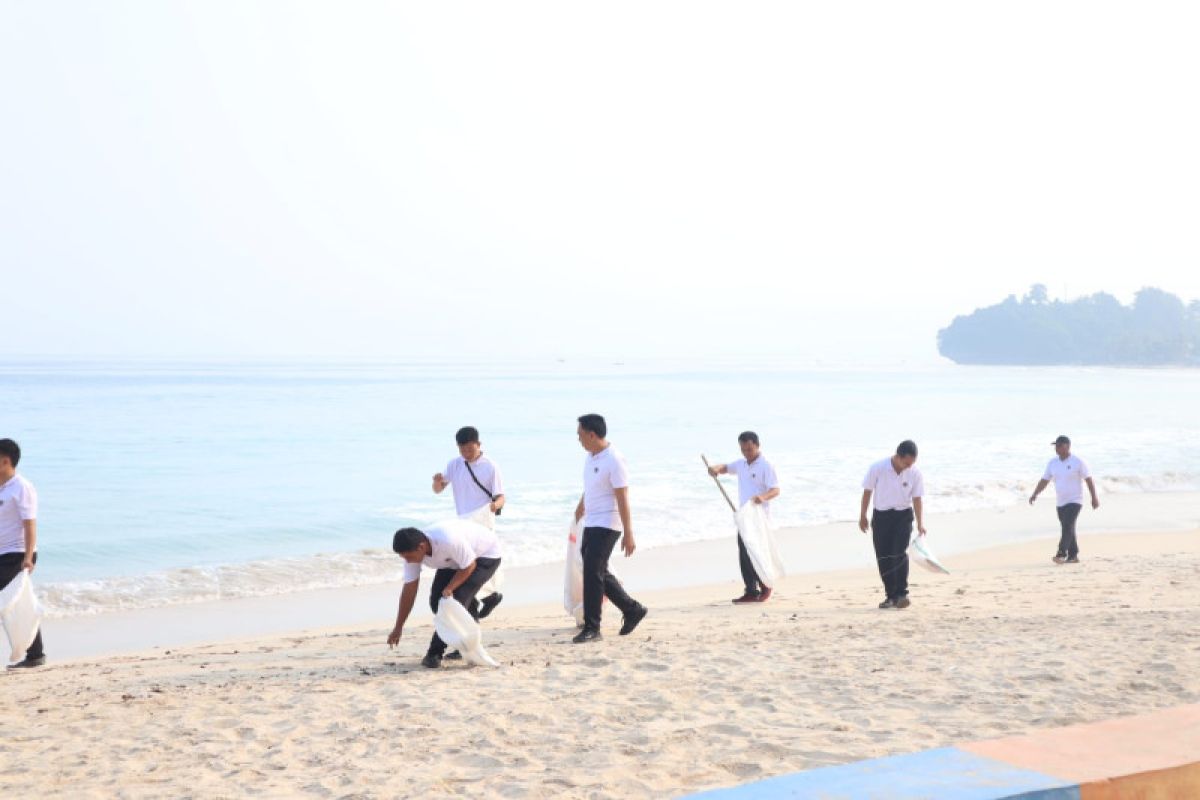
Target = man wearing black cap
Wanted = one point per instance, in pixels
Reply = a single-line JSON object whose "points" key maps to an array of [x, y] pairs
{"points": [[1069, 473]]}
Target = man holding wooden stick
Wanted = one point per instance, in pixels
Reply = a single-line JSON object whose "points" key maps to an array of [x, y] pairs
{"points": [[757, 483]]}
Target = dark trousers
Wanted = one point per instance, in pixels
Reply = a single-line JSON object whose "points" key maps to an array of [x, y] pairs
{"points": [[1067, 545], [598, 582], [892, 531], [749, 575], [10, 567], [485, 568]]}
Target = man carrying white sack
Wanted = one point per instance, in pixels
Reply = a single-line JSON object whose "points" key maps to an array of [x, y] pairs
{"points": [[475, 482], [18, 534], [604, 512], [1069, 473], [465, 555], [897, 488], [757, 483]]}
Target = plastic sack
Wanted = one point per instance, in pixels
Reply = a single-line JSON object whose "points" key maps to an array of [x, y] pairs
{"points": [[486, 517], [921, 555], [573, 579], [758, 535], [459, 631], [573, 574], [21, 614]]}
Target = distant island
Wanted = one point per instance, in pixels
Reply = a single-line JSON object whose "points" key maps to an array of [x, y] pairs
{"points": [[1158, 329]]}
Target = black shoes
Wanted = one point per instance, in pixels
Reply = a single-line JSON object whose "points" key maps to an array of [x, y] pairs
{"points": [[1059, 558], [431, 661], [587, 635], [489, 604], [903, 602], [889, 603], [632, 619], [746, 598], [1073, 560], [29, 663], [453, 656]]}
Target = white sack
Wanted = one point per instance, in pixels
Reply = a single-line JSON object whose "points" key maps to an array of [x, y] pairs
{"points": [[454, 625]]}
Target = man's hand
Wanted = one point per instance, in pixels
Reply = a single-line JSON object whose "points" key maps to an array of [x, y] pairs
{"points": [[1095, 503], [1032, 498], [864, 524], [921, 529], [494, 506], [447, 592], [714, 471], [394, 637], [439, 482], [627, 544], [758, 501], [28, 564]]}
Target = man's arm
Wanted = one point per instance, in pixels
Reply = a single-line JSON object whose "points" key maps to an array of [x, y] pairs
{"points": [[718, 469], [863, 523], [30, 526], [579, 509], [458, 580], [439, 483], [1091, 488], [627, 543], [919, 510], [408, 596], [1042, 484], [498, 503], [769, 494]]}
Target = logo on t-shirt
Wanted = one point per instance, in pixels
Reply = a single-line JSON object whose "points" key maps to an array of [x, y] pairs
{"points": [[905, 484], [595, 469]]}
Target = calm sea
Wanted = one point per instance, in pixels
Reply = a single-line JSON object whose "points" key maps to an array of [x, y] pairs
{"points": [[168, 482]]}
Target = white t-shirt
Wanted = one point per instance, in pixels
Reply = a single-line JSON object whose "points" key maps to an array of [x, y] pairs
{"points": [[753, 478], [18, 502], [455, 543], [602, 473], [892, 491], [468, 496], [1068, 475]]}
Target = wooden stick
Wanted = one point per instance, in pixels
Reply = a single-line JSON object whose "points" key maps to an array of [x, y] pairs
{"points": [[719, 484]]}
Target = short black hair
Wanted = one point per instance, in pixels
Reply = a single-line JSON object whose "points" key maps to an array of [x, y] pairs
{"points": [[10, 450], [467, 435], [907, 448], [594, 423], [406, 540], [747, 436]]}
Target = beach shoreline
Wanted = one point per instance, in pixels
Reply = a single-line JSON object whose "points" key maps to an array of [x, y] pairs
{"points": [[704, 563], [704, 694]]}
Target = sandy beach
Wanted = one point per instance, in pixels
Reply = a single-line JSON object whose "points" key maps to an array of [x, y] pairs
{"points": [[703, 695]]}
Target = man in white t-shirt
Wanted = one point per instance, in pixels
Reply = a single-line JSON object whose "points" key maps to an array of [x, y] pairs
{"points": [[18, 534], [465, 555], [1069, 473], [757, 483], [897, 488], [475, 482], [604, 509]]}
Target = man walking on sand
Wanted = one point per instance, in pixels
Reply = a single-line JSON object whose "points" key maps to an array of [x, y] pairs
{"points": [[604, 509], [757, 483], [18, 534], [475, 482], [465, 555], [1069, 473], [897, 487]]}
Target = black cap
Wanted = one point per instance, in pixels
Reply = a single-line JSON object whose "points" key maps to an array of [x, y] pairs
{"points": [[1061, 440]]}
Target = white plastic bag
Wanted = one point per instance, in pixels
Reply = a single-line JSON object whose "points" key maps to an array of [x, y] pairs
{"points": [[454, 625], [573, 578], [759, 537], [487, 518], [921, 555], [21, 614]]}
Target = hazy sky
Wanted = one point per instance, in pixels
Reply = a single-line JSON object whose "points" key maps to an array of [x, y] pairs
{"points": [[516, 179]]}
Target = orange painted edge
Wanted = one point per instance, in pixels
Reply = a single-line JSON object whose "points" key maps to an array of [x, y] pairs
{"points": [[1177, 783]]}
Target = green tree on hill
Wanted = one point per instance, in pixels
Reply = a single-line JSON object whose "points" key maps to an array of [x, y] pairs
{"points": [[1157, 329]]}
